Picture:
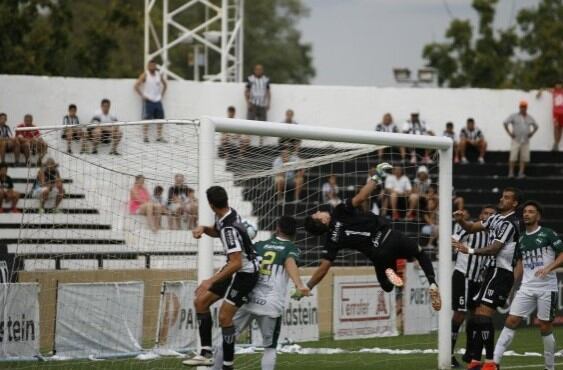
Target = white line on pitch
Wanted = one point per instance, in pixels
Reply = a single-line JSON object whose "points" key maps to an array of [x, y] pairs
{"points": [[525, 366]]}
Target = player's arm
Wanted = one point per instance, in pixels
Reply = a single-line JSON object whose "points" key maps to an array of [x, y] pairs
{"points": [[518, 271], [164, 84], [469, 226], [319, 273], [234, 264], [542, 272], [138, 84], [207, 230], [376, 180], [293, 272]]}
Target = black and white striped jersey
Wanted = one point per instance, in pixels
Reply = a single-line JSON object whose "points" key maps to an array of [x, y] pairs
{"points": [[5, 131], [506, 229], [235, 239], [4, 273], [472, 135], [258, 87], [470, 265]]}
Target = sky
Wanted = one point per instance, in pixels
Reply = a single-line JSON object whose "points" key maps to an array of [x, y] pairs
{"points": [[359, 42]]}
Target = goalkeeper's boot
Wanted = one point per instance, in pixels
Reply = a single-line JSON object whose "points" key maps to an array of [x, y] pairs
{"points": [[393, 277], [474, 365], [203, 359], [435, 297], [489, 366]]}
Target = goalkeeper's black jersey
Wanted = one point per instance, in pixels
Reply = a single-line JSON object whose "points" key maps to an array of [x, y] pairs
{"points": [[352, 228]]}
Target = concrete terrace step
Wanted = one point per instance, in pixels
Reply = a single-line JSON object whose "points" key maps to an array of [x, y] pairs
{"points": [[51, 234], [49, 218]]}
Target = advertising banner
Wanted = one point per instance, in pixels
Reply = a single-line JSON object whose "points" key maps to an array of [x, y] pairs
{"points": [[418, 315]]}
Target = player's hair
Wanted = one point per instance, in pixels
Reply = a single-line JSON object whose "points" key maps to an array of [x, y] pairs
{"points": [[217, 197], [72, 106], [534, 204], [517, 193], [287, 225], [492, 206], [315, 227], [104, 101]]}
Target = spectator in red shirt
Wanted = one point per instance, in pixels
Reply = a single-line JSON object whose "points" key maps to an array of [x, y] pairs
{"points": [[7, 140], [557, 96], [31, 141]]}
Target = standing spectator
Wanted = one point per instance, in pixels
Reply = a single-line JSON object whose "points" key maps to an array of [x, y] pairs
{"points": [[7, 191], [31, 141], [48, 179], [153, 89], [449, 132], [291, 178], [521, 123], [292, 144], [419, 192], [257, 94], [8, 142], [190, 209], [140, 203], [397, 186], [177, 197], [387, 125], [105, 134], [557, 96], [233, 145], [330, 191], [73, 130], [415, 126], [471, 136]]}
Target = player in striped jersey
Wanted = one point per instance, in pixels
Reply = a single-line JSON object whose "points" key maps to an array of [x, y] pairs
{"points": [[503, 233], [540, 252], [266, 302], [466, 278]]}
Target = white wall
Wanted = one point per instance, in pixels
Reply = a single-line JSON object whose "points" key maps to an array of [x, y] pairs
{"points": [[333, 106]]}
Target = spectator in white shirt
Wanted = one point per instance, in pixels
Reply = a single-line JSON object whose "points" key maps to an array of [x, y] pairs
{"points": [[397, 186], [387, 125], [291, 178], [105, 134], [449, 132], [330, 191], [421, 184], [151, 86], [289, 142], [415, 126]]}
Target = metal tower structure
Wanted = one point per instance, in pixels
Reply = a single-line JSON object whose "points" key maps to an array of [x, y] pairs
{"points": [[215, 39]]}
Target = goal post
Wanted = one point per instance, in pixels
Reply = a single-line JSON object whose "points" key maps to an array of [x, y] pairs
{"points": [[210, 125]]}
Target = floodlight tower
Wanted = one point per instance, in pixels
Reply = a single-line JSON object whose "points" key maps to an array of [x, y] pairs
{"points": [[219, 33]]}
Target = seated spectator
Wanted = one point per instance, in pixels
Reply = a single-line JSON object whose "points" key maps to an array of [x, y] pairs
{"points": [[48, 180], [387, 125], [458, 201], [415, 126], [159, 203], [292, 144], [397, 186], [7, 192], [177, 198], [105, 134], [72, 130], [419, 192], [140, 203], [330, 191], [233, 145], [431, 218], [291, 178], [190, 210], [31, 141], [449, 132], [8, 142], [471, 136]]}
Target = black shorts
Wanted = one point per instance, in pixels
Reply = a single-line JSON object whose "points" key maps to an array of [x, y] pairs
{"points": [[236, 289], [495, 288], [463, 291]]}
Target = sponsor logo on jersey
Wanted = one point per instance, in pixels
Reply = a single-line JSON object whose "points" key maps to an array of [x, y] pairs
{"points": [[352, 232], [336, 232]]}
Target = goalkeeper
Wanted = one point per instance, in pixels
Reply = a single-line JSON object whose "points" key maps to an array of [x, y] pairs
{"points": [[348, 227], [279, 258]]}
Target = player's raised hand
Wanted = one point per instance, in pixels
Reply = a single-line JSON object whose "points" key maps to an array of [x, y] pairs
{"points": [[458, 215], [198, 232], [381, 172], [460, 247], [301, 292]]}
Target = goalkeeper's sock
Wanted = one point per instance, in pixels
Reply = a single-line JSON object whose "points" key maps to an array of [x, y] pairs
{"points": [[205, 325], [269, 359], [503, 342], [228, 345]]}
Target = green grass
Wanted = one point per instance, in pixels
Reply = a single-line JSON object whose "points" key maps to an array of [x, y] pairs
{"points": [[527, 340]]}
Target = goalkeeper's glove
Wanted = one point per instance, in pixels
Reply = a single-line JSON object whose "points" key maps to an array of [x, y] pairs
{"points": [[381, 172], [297, 294]]}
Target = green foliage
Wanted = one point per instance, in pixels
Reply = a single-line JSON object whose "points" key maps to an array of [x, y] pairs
{"points": [[527, 57]]}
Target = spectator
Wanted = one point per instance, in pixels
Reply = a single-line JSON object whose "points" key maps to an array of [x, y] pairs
{"points": [[31, 141], [415, 126], [449, 132], [292, 144], [8, 142], [153, 89], [177, 197], [291, 178], [105, 134], [521, 123], [233, 145], [431, 218], [397, 186], [557, 97], [257, 94], [387, 125], [48, 180], [73, 130], [159, 203], [7, 192], [471, 136], [140, 203], [190, 210], [419, 191], [330, 191]]}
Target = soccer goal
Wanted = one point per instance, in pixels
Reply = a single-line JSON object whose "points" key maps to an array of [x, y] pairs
{"points": [[107, 242]]}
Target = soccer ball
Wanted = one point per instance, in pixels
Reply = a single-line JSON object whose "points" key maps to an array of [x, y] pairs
{"points": [[250, 229]]}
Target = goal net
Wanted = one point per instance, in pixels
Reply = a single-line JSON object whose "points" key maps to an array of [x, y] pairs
{"points": [[103, 264]]}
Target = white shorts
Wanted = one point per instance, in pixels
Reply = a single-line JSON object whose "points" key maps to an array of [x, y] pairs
{"points": [[522, 149], [38, 190], [269, 326], [525, 302]]}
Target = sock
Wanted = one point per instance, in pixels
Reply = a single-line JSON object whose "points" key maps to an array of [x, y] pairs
{"points": [[503, 342], [478, 337], [269, 359], [455, 331], [487, 333], [549, 351], [228, 345], [205, 324], [470, 334], [426, 265]]}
